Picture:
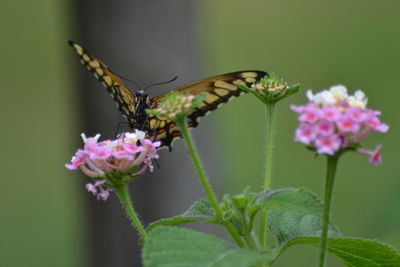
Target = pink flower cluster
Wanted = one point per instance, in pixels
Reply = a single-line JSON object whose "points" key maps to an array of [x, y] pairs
{"points": [[332, 120], [127, 156]]}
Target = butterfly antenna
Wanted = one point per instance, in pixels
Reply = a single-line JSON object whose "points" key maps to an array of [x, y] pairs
{"points": [[154, 84], [126, 79], [157, 163]]}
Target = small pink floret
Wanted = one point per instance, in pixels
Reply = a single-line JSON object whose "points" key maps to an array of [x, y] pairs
{"points": [[297, 109], [157, 144], [75, 162], [91, 188], [122, 154], [375, 157], [357, 114], [330, 113], [90, 145], [104, 194], [376, 124], [305, 133], [100, 153], [100, 182], [325, 128], [310, 115], [345, 124], [327, 144], [96, 187], [132, 148], [383, 128]]}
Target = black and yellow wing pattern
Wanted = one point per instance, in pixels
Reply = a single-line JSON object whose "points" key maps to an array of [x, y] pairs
{"points": [[220, 89], [122, 96]]}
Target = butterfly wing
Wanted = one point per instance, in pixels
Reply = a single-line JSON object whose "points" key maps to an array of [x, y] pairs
{"points": [[220, 89], [123, 97]]}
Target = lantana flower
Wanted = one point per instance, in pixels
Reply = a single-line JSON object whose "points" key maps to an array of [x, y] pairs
{"points": [[333, 120], [270, 89], [114, 162]]}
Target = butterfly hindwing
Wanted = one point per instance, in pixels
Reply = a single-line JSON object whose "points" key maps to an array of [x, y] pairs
{"points": [[123, 97], [220, 89], [163, 130]]}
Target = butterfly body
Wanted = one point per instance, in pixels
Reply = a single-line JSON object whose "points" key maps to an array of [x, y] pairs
{"points": [[141, 119], [220, 89]]}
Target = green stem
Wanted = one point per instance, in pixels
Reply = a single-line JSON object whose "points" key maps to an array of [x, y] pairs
{"points": [[268, 170], [330, 178], [204, 181], [123, 195], [250, 241]]}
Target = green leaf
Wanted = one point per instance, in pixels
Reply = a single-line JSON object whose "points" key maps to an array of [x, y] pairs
{"points": [[200, 211], [357, 252], [172, 246], [243, 258], [294, 89], [294, 217], [294, 213], [243, 87], [202, 208]]}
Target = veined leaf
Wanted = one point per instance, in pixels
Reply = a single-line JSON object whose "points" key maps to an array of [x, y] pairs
{"points": [[200, 211], [173, 247]]}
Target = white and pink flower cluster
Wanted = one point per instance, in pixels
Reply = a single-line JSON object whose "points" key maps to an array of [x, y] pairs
{"points": [[127, 156], [333, 119]]}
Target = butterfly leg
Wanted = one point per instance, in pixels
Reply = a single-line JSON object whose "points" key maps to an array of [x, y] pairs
{"points": [[120, 128], [145, 126]]}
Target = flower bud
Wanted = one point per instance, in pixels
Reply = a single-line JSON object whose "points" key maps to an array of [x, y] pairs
{"points": [[176, 106]]}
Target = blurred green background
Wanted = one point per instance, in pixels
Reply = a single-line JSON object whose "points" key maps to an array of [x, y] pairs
{"points": [[316, 43]]}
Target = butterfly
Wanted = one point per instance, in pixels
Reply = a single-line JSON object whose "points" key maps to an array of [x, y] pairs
{"points": [[220, 89]]}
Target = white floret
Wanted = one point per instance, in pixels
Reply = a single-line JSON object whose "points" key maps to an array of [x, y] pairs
{"points": [[339, 92]]}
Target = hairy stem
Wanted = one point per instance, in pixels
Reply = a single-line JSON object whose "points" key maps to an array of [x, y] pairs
{"points": [[330, 178], [268, 170], [204, 181], [123, 194]]}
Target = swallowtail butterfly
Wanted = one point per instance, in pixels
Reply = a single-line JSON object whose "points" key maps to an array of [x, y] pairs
{"points": [[220, 89]]}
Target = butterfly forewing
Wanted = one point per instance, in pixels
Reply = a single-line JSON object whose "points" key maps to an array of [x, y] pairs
{"points": [[123, 97], [220, 89]]}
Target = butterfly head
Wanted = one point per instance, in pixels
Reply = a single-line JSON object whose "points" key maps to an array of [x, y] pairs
{"points": [[141, 93], [142, 99]]}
